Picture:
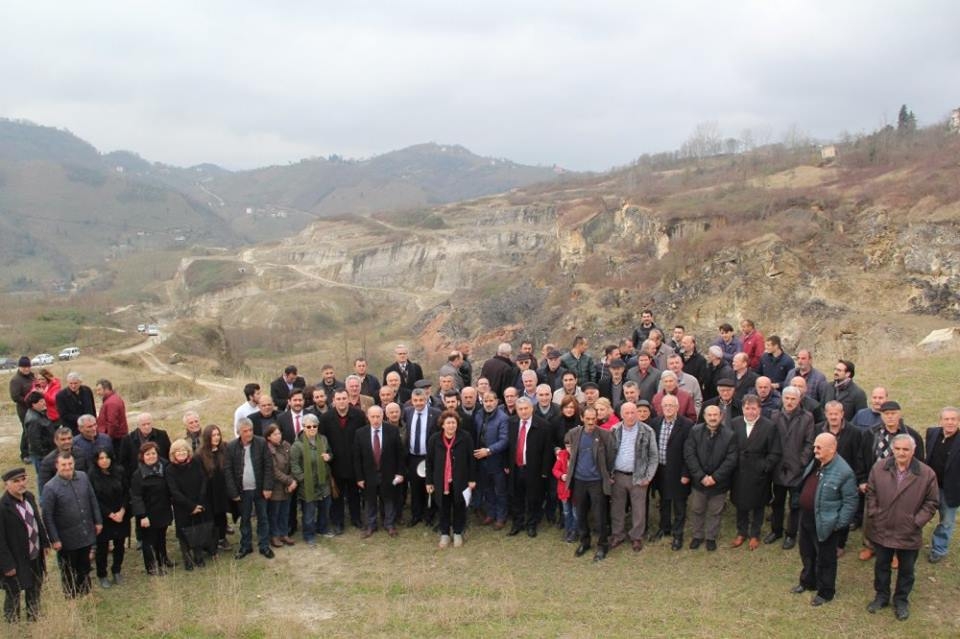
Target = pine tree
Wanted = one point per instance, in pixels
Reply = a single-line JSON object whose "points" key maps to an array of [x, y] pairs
{"points": [[906, 120]]}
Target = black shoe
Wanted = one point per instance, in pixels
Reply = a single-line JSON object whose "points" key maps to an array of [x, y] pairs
{"points": [[695, 543], [243, 552], [799, 589], [902, 612], [532, 531], [935, 559], [677, 543], [515, 530], [581, 550], [789, 542], [656, 535], [600, 555], [168, 563], [879, 603], [338, 530], [817, 601], [414, 522], [267, 552], [772, 537], [711, 545]]}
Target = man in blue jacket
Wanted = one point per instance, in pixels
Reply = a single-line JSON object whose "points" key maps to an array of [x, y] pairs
{"points": [[492, 441], [828, 500]]}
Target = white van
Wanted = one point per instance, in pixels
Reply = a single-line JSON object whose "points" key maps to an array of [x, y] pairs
{"points": [[70, 352]]}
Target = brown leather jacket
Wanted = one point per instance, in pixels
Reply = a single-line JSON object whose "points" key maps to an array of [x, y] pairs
{"points": [[899, 512]]}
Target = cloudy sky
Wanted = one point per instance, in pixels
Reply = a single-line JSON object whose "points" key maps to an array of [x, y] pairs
{"points": [[586, 85]]}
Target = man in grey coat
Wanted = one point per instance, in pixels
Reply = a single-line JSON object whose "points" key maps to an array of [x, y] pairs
{"points": [[634, 467], [72, 519], [796, 431]]}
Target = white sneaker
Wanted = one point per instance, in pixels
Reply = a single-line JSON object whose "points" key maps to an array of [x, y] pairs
{"points": [[444, 541], [457, 540]]}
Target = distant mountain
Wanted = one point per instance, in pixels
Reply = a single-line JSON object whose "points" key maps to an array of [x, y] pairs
{"points": [[64, 205]]}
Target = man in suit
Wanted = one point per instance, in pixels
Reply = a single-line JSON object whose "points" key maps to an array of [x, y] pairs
{"points": [[340, 425], [672, 481], [73, 401], [528, 464], [758, 446], [290, 422], [490, 430], [421, 421], [23, 547], [248, 475], [280, 388], [378, 460], [943, 456], [410, 372]]}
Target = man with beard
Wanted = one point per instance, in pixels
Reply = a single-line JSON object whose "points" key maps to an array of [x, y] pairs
{"points": [[844, 390], [759, 452], [251, 392], [319, 406], [710, 455], [642, 332]]}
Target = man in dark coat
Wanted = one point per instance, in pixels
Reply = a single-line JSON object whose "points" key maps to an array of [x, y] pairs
{"points": [[796, 431], [280, 387], [421, 421], [646, 375], [23, 547], [20, 385], [552, 370], [248, 471], [745, 376], [528, 463], [715, 370], [410, 372], [672, 481], [726, 401], [73, 401], [710, 455], [340, 425], [943, 456], [844, 390], [143, 433], [378, 461], [758, 446], [902, 496], [63, 440], [500, 370]]}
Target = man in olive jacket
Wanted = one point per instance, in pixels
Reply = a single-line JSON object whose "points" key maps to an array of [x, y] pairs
{"points": [[828, 500], [902, 496]]}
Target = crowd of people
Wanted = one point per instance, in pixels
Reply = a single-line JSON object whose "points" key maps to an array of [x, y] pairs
{"points": [[584, 444]]}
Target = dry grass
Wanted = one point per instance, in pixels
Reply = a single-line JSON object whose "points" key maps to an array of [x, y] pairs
{"points": [[519, 587]]}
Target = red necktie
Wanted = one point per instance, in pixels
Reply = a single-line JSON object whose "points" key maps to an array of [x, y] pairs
{"points": [[521, 442], [376, 447], [296, 424]]}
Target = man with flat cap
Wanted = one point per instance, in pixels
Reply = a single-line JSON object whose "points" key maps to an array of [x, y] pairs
{"points": [[23, 546]]}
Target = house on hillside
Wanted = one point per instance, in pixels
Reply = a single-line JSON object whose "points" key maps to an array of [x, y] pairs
{"points": [[955, 121], [828, 153]]}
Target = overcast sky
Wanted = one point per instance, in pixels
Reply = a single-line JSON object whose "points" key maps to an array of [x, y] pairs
{"points": [[586, 85]]}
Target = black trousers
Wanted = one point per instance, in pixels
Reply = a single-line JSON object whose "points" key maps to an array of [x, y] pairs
{"points": [[349, 498], [749, 521], [588, 499], [417, 487], [75, 571], [453, 512], [782, 495], [819, 558], [906, 573], [673, 516], [526, 497], [12, 590], [102, 552], [378, 498], [154, 546]]}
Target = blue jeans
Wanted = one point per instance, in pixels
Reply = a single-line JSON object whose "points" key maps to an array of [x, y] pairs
{"points": [[316, 517], [944, 530], [250, 500], [36, 467], [493, 487], [279, 514], [569, 517]]}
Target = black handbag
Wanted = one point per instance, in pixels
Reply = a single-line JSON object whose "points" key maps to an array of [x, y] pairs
{"points": [[199, 536]]}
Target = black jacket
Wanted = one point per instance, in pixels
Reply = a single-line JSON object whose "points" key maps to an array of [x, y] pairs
{"points": [[14, 543], [759, 455], [113, 493], [129, 453], [392, 457], [72, 405], [340, 440], [414, 374], [281, 394], [540, 455], [711, 454], [501, 372], [150, 497], [853, 444], [463, 464], [233, 466], [187, 484], [48, 466], [951, 474], [667, 479]]}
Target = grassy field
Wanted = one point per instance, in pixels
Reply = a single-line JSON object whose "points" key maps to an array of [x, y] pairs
{"points": [[510, 586]]}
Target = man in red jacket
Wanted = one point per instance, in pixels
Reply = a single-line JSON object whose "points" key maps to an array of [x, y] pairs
{"points": [[752, 342], [112, 420]]}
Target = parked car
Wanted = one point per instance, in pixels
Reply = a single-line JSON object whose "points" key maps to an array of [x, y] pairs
{"points": [[153, 330], [141, 328], [7, 364], [70, 352], [43, 359]]}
